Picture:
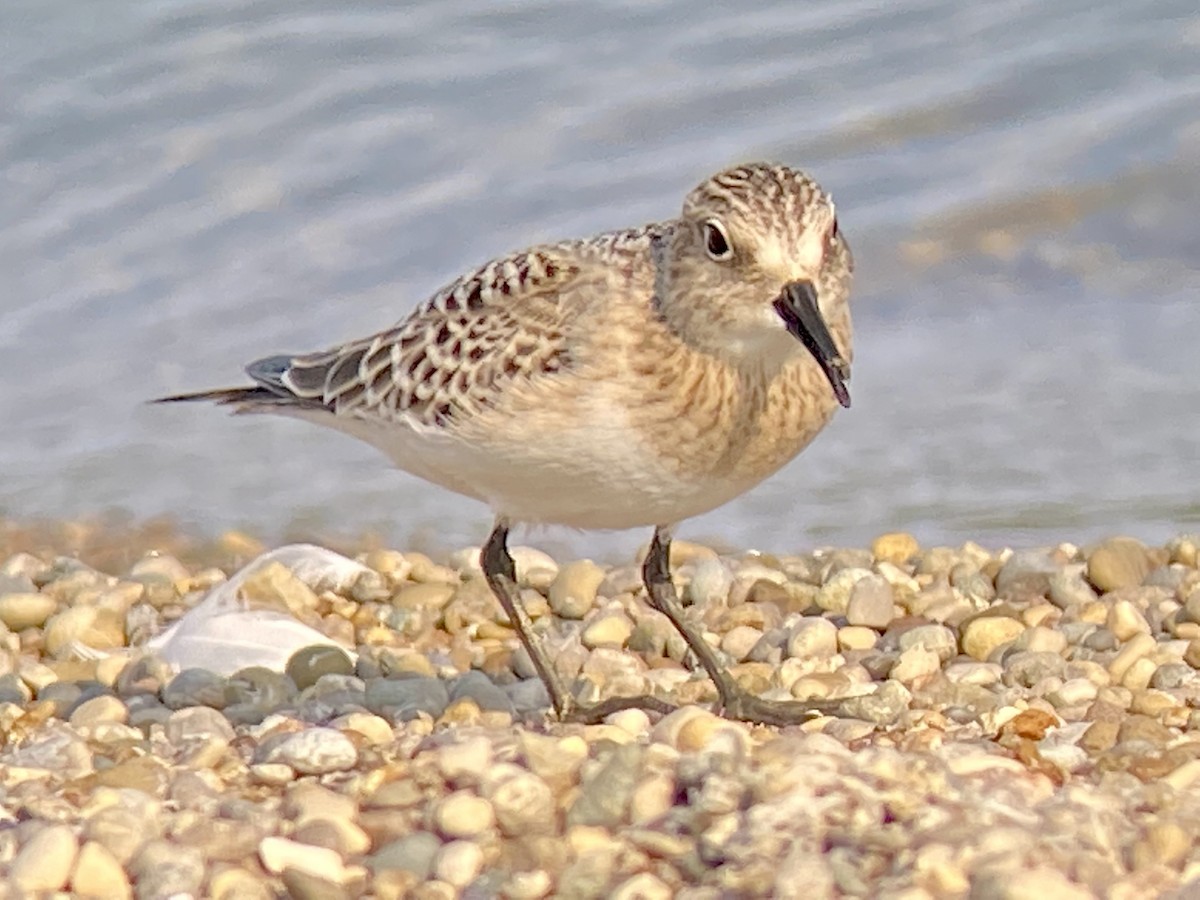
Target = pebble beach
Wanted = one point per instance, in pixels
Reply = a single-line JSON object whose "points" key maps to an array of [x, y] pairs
{"points": [[1004, 723]]}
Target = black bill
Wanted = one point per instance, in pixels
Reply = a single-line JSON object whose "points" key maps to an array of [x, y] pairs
{"points": [[797, 306]]}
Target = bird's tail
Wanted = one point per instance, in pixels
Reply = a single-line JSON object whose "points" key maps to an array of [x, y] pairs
{"points": [[269, 394], [243, 399]]}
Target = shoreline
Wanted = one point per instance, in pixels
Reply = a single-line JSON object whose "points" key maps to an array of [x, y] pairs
{"points": [[1009, 724]]}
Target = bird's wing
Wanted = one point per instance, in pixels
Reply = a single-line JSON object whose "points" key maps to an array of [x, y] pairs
{"points": [[454, 353]]}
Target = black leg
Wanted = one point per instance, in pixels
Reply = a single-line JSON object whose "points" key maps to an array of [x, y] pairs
{"points": [[501, 574], [735, 702]]}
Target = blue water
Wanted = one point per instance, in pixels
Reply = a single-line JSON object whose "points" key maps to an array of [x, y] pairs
{"points": [[188, 185]]}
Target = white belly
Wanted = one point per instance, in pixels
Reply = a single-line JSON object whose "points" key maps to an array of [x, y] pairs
{"points": [[592, 477]]}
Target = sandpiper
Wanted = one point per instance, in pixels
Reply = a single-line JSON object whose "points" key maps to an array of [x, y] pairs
{"points": [[636, 378]]}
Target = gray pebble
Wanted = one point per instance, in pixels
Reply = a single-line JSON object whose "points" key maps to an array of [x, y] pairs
{"points": [[1027, 572], [13, 690], [1076, 632], [478, 687], [870, 603], [253, 693], [403, 699], [332, 696], [413, 853], [1027, 667], [146, 710], [1101, 639], [528, 695], [1068, 589], [1168, 577], [16, 584], [1172, 675], [308, 664], [63, 694], [973, 584], [195, 687], [878, 664]]}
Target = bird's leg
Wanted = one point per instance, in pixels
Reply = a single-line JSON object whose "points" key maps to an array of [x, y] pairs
{"points": [[656, 573], [735, 702], [501, 575]]}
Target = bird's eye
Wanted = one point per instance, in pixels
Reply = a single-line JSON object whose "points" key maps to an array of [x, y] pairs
{"points": [[834, 231], [716, 241]]}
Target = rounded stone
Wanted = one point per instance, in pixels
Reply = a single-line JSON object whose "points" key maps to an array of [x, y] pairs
{"points": [[1191, 655], [1073, 692], [812, 638], [431, 595], [556, 760], [740, 640], [26, 610], [1173, 676], [1165, 844], [711, 582], [1029, 667], [915, 663], [1125, 620], [1135, 648], [609, 629], [235, 883], [1040, 638], [1118, 563], [984, 634], [315, 751], [896, 547], [857, 637], [278, 854], [462, 814], [523, 804], [834, 595], [275, 586], [572, 594], [1028, 572], [101, 710], [535, 568], [99, 874], [937, 638], [459, 863], [466, 761], [413, 853], [480, 690], [403, 699], [1068, 590], [308, 664], [375, 729], [44, 863], [870, 603], [197, 723], [100, 629], [1139, 674]]}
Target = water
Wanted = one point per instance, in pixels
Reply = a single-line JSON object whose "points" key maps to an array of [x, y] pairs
{"points": [[185, 186]]}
